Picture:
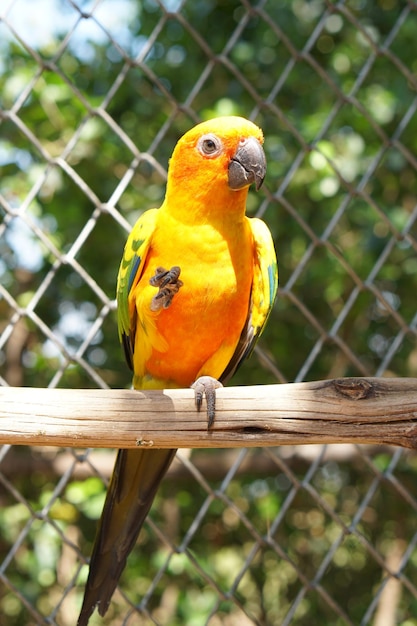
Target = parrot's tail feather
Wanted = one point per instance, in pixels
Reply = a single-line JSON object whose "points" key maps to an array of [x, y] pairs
{"points": [[136, 478]]}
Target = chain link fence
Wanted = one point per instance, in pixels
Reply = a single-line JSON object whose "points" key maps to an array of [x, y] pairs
{"points": [[94, 95]]}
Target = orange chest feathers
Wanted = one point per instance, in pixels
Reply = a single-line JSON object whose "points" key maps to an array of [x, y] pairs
{"points": [[201, 327]]}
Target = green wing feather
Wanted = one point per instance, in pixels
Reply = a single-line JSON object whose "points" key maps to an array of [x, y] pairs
{"points": [[130, 271], [264, 290], [265, 278]]}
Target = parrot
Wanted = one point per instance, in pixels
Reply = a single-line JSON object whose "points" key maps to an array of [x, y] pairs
{"points": [[196, 284]]}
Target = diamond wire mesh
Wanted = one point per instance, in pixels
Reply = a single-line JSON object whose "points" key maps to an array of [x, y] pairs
{"points": [[94, 96]]}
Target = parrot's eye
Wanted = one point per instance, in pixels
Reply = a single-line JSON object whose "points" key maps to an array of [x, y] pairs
{"points": [[209, 145]]}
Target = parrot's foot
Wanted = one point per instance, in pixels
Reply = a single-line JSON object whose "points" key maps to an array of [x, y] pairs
{"points": [[168, 283], [206, 386]]}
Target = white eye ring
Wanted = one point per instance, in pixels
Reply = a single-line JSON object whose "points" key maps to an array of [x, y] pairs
{"points": [[209, 145]]}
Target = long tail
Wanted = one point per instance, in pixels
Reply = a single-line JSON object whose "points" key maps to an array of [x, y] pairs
{"points": [[136, 478]]}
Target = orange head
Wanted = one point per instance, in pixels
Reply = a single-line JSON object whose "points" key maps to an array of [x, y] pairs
{"points": [[214, 163]]}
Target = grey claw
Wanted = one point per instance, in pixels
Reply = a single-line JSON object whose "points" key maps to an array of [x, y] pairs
{"points": [[206, 386]]}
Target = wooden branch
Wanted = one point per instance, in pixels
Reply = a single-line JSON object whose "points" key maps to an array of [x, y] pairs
{"points": [[345, 410]]}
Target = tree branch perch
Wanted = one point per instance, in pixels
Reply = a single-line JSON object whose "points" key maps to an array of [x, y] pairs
{"points": [[345, 410]]}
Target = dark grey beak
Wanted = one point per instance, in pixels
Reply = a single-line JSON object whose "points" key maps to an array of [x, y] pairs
{"points": [[248, 165]]}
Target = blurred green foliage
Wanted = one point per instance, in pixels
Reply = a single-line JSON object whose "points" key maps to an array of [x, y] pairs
{"points": [[336, 100]]}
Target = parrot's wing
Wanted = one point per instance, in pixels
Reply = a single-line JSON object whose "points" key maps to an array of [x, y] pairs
{"points": [[130, 271], [264, 289]]}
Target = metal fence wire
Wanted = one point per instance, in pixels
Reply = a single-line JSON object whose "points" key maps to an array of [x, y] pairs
{"points": [[94, 95]]}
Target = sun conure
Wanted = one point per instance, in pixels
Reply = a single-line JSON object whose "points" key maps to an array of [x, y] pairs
{"points": [[195, 287]]}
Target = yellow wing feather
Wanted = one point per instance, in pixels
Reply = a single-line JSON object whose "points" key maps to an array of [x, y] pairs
{"points": [[265, 276], [263, 293], [130, 272]]}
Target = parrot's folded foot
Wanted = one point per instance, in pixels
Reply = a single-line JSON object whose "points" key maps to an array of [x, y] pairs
{"points": [[168, 283], [206, 386]]}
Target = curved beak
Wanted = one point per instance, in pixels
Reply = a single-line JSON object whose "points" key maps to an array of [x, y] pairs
{"points": [[248, 165]]}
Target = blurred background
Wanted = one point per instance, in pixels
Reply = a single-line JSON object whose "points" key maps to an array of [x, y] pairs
{"points": [[93, 97]]}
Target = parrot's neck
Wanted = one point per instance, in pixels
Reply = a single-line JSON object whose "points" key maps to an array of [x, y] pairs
{"points": [[203, 205]]}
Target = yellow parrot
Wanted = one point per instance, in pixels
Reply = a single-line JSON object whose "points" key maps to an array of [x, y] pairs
{"points": [[196, 284]]}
